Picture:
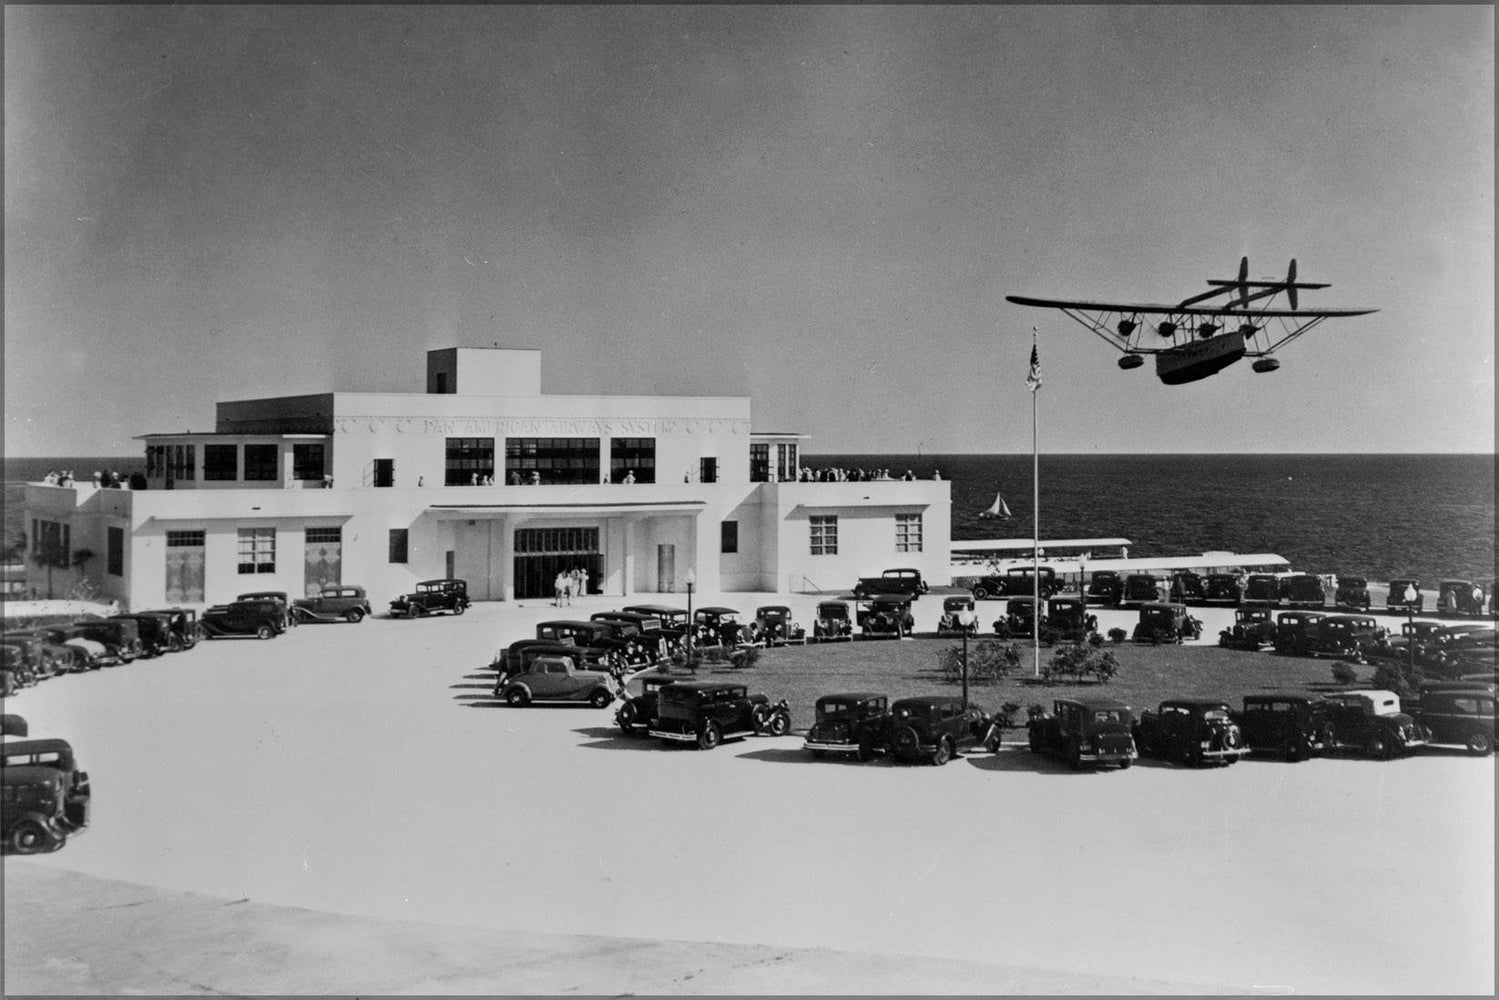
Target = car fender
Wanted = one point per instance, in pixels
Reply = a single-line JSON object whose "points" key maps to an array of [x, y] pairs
{"points": [[514, 686]]}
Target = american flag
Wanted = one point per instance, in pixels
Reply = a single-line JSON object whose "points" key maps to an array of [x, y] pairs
{"points": [[1033, 378]]}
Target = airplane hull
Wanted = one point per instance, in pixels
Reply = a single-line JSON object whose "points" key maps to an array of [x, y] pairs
{"points": [[1199, 358]]}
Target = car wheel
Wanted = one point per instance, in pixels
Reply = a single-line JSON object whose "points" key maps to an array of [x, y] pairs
{"points": [[625, 719], [943, 753], [980, 594], [29, 837], [709, 737], [779, 723], [1480, 744], [517, 697], [1378, 747], [459, 609], [264, 632], [600, 698], [354, 616], [905, 743], [412, 611]]}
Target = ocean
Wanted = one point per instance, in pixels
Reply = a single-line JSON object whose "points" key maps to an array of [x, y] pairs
{"points": [[1383, 516]]}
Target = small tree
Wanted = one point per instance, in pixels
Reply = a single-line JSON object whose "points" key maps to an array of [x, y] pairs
{"points": [[742, 659], [1117, 635], [1392, 677], [1344, 673]]}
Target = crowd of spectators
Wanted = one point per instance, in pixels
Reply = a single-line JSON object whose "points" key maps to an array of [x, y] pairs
{"points": [[840, 475], [103, 479]]}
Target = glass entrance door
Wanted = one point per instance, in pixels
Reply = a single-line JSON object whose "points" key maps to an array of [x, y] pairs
{"points": [[542, 553]]}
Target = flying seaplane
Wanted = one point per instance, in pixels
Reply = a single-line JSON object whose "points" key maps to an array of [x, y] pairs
{"points": [[1199, 338]]}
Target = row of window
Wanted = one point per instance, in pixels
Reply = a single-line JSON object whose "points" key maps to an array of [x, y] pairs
{"points": [[222, 462], [823, 534]]}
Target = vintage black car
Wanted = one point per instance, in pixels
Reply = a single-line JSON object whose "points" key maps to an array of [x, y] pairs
{"points": [[857, 723], [1019, 619], [121, 637], [557, 678], [1105, 587], [14, 673], [32, 657], [1296, 632], [636, 711], [1293, 726], [46, 797], [777, 627], [958, 616], [905, 582], [1460, 597], [432, 596], [1252, 628], [282, 599], [154, 629], [1405, 595], [1261, 588], [1302, 590], [936, 728], [833, 622], [1223, 588], [644, 635], [1165, 622], [262, 619], [1459, 717], [1191, 732], [716, 626], [1342, 637], [71, 650], [1085, 731], [333, 603], [1067, 620], [1140, 588], [1018, 581], [184, 626], [886, 615], [1188, 588], [1352, 594], [1371, 723], [706, 713], [674, 622]]}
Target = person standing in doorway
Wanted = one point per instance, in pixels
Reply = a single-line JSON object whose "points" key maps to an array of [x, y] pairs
{"points": [[582, 581]]}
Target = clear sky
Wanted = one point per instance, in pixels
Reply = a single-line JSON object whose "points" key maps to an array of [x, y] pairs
{"points": [[818, 207]]}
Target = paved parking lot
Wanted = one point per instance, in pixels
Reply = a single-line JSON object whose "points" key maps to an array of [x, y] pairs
{"points": [[360, 771]]}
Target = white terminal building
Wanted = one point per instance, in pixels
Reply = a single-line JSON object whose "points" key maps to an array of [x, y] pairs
{"points": [[485, 478]]}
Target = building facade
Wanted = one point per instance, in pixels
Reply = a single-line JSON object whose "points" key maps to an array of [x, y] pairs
{"points": [[482, 477]]}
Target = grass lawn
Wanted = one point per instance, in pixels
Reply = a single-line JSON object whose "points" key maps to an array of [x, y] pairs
{"points": [[1147, 674]]}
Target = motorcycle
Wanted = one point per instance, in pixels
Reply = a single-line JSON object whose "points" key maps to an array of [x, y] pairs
{"points": [[773, 720]]}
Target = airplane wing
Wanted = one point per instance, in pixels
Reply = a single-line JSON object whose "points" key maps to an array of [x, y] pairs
{"points": [[1146, 309]]}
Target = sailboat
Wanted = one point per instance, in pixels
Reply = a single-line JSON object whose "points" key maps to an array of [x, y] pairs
{"points": [[998, 508]]}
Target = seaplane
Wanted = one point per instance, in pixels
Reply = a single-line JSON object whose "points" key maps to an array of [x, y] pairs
{"points": [[1198, 337]]}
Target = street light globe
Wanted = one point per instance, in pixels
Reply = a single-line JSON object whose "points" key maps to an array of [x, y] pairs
{"points": [[1410, 595], [691, 577]]}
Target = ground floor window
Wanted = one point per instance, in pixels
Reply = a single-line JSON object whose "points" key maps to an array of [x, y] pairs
{"points": [[470, 461], [114, 552], [908, 532], [728, 537], [398, 541], [257, 550], [552, 460], [322, 558], [542, 553], [824, 531], [634, 458]]}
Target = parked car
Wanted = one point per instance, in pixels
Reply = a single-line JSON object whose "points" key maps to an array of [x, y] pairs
{"points": [[1341, 637], [716, 626], [71, 648], [833, 622], [706, 713], [262, 619], [33, 657], [1223, 588], [14, 673], [886, 615], [958, 616], [1400, 598], [1294, 726], [1462, 717], [905, 582], [1163, 621], [1105, 587], [936, 728], [1371, 722], [1018, 581], [558, 678], [777, 627], [46, 798], [674, 622], [1460, 597], [1067, 620], [333, 603], [1140, 588], [1352, 594], [1252, 628], [432, 596], [636, 711], [1302, 590], [1020, 619], [1296, 632], [519, 656], [153, 628], [857, 723], [184, 625], [1261, 588], [282, 599], [644, 636], [1188, 588], [120, 637], [1190, 731], [1085, 731]]}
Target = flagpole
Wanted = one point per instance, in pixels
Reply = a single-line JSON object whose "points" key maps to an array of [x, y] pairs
{"points": [[1035, 512]]}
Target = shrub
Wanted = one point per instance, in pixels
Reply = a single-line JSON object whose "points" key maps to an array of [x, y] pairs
{"points": [[1344, 673], [988, 662], [1076, 660], [742, 659], [1005, 717], [714, 654], [1392, 677], [1117, 635], [1094, 639], [1034, 711]]}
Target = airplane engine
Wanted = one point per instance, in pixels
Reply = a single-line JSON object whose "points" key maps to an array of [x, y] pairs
{"points": [[1131, 361], [1166, 329], [1263, 365]]}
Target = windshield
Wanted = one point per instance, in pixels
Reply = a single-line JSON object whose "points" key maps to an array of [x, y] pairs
{"points": [[1111, 715]]}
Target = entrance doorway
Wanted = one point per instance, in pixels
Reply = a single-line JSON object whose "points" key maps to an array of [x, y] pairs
{"points": [[542, 553], [666, 569]]}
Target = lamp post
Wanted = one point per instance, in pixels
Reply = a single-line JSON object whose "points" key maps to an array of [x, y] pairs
{"points": [[691, 581], [1410, 596], [965, 668]]}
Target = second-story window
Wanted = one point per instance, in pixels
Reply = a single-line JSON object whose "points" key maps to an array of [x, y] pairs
{"points": [[470, 461], [260, 462], [220, 461], [759, 463], [632, 457], [307, 462]]}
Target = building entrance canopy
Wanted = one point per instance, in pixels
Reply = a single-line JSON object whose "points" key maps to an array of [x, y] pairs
{"points": [[444, 511]]}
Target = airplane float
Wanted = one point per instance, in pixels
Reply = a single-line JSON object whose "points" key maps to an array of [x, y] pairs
{"points": [[1198, 338]]}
